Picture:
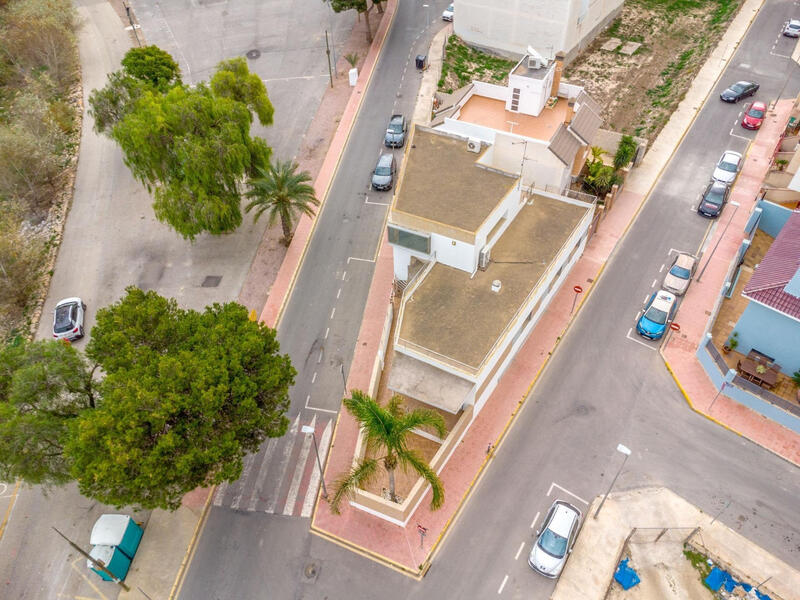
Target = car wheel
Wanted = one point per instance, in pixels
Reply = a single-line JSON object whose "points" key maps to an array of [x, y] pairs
{"points": [[80, 334], [83, 305]]}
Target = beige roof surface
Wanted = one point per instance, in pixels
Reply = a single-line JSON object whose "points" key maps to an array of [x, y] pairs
{"points": [[452, 316], [441, 182], [492, 113]]}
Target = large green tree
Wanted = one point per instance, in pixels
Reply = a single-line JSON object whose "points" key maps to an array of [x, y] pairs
{"points": [[386, 430], [191, 147], [362, 7], [283, 194], [184, 397], [153, 66]]}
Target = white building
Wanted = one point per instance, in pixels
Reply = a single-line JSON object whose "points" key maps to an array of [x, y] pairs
{"points": [[508, 27]]}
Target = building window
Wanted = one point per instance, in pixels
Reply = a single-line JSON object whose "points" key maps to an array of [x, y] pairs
{"points": [[410, 240]]}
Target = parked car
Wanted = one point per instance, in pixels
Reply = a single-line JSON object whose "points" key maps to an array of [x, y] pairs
{"points": [[739, 90], [658, 312], [395, 132], [447, 15], [383, 175], [680, 274], [555, 539], [727, 167], [792, 28], [68, 319], [754, 116], [714, 198]]}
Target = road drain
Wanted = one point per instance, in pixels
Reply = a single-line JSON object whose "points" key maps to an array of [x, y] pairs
{"points": [[253, 54], [311, 571]]}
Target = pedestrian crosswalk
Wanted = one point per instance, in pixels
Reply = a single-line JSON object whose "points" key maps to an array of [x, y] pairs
{"points": [[283, 476]]}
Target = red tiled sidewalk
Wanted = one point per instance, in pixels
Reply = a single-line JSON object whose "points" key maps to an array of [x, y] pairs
{"points": [[281, 288], [680, 352], [400, 546]]}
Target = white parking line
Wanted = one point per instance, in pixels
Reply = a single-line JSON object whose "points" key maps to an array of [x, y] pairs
{"points": [[779, 55], [325, 410], [638, 314], [646, 345], [661, 270], [646, 298], [536, 518], [314, 378], [319, 358], [344, 274], [655, 281], [327, 331], [566, 491], [367, 201], [521, 546], [339, 293], [369, 260], [333, 312], [502, 585], [741, 137]]}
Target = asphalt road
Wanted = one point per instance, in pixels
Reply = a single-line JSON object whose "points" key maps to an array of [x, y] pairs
{"points": [[111, 239], [587, 401]]}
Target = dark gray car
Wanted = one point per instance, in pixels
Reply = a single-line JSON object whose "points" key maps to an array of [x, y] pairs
{"points": [[395, 132], [383, 175], [714, 198]]}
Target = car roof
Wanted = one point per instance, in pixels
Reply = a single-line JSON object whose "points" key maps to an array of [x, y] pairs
{"points": [[385, 160], [663, 300], [762, 105], [717, 185], [730, 154], [66, 301], [795, 22], [685, 260], [564, 515], [743, 82]]}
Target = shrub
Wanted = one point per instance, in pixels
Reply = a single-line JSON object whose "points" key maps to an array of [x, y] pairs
{"points": [[20, 265], [625, 152]]}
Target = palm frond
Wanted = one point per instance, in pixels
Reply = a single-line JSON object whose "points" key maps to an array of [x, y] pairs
{"points": [[409, 458], [346, 485], [422, 417]]}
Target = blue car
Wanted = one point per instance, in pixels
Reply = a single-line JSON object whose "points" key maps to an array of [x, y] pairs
{"points": [[657, 314]]}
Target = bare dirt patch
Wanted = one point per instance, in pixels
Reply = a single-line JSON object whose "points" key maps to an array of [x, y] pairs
{"points": [[639, 92]]}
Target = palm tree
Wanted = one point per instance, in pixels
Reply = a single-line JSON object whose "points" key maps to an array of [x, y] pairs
{"points": [[283, 193], [386, 431]]}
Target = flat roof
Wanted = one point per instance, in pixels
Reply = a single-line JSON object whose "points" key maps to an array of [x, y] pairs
{"points": [[523, 70], [451, 315], [423, 382], [441, 182], [492, 113]]}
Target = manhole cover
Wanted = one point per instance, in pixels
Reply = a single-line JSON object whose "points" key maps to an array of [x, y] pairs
{"points": [[211, 281], [253, 54], [311, 571]]}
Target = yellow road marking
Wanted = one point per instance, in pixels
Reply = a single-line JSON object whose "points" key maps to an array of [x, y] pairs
{"points": [[11, 503], [82, 574]]}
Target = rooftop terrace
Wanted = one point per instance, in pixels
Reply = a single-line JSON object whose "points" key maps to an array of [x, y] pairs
{"points": [[451, 315], [492, 113], [442, 183]]}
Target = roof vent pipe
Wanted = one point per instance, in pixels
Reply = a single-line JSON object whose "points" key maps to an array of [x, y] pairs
{"points": [[496, 285]]}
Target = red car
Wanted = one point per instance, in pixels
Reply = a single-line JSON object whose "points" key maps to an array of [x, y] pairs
{"points": [[754, 116]]}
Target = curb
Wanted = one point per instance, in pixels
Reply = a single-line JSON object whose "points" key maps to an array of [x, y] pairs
{"points": [[377, 44]]}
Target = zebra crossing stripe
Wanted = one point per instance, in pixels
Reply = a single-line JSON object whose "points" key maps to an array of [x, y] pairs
{"points": [[248, 463], [220, 493], [287, 453], [262, 473], [313, 484], [288, 508]]}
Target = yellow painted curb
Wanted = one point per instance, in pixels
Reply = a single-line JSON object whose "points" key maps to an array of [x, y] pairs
{"points": [[11, 503]]}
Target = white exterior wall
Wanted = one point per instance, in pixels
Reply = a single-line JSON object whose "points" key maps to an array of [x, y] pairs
{"points": [[454, 253], [542, 168], [533, 92], [468, 130], [549, 26]]}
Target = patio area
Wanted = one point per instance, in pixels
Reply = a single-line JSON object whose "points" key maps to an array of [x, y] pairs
{"points": [[732, 308]]}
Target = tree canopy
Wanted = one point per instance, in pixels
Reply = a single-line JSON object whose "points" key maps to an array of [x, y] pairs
{"points": [[153, 66], [185, 396]]}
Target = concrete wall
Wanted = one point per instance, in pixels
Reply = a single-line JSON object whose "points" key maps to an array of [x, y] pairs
{"points": [[541, 168], [468, 130], [772, 333], [773, 217]]}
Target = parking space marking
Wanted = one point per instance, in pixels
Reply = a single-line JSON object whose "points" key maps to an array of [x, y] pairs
{"points": [[325, 410], [339, 293], [646, 298], [83, 576], [327, 331], [741, 137], [645, 344], [779, 55], [676, 251], [661, 270], [521, 546], [333, 312], [566, 491], [314, 378], [638, 314], [368, 201], [349, 258], [655, 281], [536, 518], [502, 585]]}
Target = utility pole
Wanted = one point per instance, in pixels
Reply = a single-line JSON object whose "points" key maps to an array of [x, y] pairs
{"points": [[97, 563], [328, 52], [130, 20]]}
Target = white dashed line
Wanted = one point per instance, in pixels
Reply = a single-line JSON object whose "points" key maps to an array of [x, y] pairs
{"points": [[655, 281], [327, 331], [339, 293], [502, 585], [314, 378], [333, 312], [344, 275], [536, 518], [521, 546], [319, 358], [661, 270]]}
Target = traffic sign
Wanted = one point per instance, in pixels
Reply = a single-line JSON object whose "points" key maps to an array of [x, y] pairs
{"points": [[577, 289], [674, 327]]}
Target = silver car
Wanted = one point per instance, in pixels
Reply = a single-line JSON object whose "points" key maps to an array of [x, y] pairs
{"points": [[555, 541], [728, 167], [68, 319], [680, 274], [447, 15], [383, 175], [792, 28]]}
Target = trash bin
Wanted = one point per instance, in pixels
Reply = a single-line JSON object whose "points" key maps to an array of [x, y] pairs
{"points": [[114, 560], [422, 61], [117, 530]]}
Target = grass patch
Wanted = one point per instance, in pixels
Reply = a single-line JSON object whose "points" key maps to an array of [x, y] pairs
{"points": [[463, 64], [699, 562]]}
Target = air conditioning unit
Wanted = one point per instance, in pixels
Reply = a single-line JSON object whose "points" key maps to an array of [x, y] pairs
{"points": [[473, 145], [484, 257]]}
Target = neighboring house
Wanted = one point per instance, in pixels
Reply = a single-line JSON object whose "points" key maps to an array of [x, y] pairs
{"points": [[479, 257], [549, 26], [771, 321], [536, 125]]}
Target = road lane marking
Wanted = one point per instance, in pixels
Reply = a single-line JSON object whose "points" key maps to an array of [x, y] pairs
{"points": [[655, 281], [566, 491], [319, 358], [502, 585], [646, 298], [521, 546], [333, 312], [661, 270], [345, 273], [313, 484], [339, 293], [325, 410], [327, 331], [646, 345], [294, 487], [284, 463], [262, 474], [314, 378], [536, 518], [248, 464], [638, 314]]}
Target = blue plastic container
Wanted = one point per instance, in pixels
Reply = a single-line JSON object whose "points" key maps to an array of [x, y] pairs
{"points": [[117, 530]]}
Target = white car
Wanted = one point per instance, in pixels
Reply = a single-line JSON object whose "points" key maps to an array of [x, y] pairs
{"points": [[447, 15], [680, 274], [792, 28], [728, 167], [68, 319], [554, 543]]}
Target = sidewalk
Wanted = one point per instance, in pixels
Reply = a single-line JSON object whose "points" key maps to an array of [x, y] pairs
{"points": [[679, 352], [399, 547], [591, 566], [170, 538]]}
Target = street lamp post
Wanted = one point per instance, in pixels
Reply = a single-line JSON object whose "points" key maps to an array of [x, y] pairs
{"points": [[309, 429], [627, 452], [735, 206]]}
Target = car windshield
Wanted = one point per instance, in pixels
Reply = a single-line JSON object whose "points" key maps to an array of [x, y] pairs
{"points": [[553, 544], [756, 113], [737, 87], [656, 315], [450, 8], [679, 272], [395, 127], [727, 166], [714, 196], [63, 318], [794, 26], [383, 171]]}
